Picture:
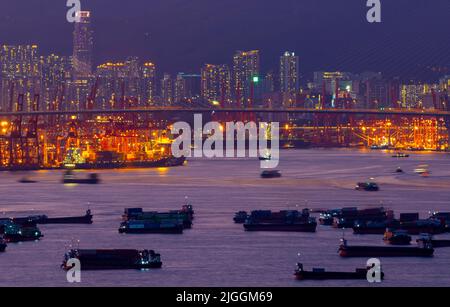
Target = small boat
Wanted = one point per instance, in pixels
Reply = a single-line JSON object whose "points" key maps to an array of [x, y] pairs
{"points": [[399, 170], [384, 251], [69, 178], [26, 180], [3, 245], [397, 237], [270, 174], [240, 217], [321, 274], [43, 219], [151, 227], [428, 239], [400, 155], [367, 186], [266, 157], [113, 259]]}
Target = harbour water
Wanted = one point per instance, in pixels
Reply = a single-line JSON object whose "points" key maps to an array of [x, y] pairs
{"points": [[217, 252]]}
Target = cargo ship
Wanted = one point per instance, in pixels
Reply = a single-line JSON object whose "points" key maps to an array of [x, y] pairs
{"points": [[44, 219], [293, 221], [3, 245], [384, 251], [14, 233], [113, 259], [170, 161], [111, 163], [151, 227], [349, 217], [322, 274], [69, 178], [138, 214]]}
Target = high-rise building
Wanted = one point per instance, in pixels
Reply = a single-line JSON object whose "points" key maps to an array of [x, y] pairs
{"points": [[20, 72], [216, 84], [167, 90], [179, 89], [246, 69], [149, 83], [83, 43], [289, 73], [56, 73], [192, 86]]}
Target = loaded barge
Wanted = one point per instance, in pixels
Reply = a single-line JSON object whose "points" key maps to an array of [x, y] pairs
{"points": [[118, 259], [383, 251], [43, 219], [322, 274], [293, 221]]}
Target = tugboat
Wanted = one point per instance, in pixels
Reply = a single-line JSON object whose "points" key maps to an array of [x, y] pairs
{"points": [[3, 245], [43, 219], [119, 259], [382, 251], [240, 217], [399, 237], [321, 274], [19, 233], [69, 178], [426, 238], [271, 174], [367, 186]]}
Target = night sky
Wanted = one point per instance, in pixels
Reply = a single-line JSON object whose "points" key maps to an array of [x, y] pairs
{"points": [[181, 35]]}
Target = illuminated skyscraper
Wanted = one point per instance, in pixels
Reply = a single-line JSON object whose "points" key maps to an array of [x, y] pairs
{"points": [[149, 83], [19, 73], [246, 67], [167, 90], [56, 72], [216, 84], [83, 43], [289, 73]]}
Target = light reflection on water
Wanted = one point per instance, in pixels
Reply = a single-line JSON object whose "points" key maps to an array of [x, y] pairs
{"points": [[217, 252]]}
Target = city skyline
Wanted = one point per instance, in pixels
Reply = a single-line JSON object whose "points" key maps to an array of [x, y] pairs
{"points": [[355, 46]]}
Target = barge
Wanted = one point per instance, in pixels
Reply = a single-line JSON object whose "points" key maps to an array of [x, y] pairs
{"points": [[44, 219], [322, 274], [113, 259], [383, 251]]}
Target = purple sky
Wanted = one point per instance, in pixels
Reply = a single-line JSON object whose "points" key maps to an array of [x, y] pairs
{"points": [[181, 35]]}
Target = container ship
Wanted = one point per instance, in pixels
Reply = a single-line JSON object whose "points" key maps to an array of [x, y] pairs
{"points": [[347, 217], [409, 222], [293, 221], [113, 259], [322, 274]]}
